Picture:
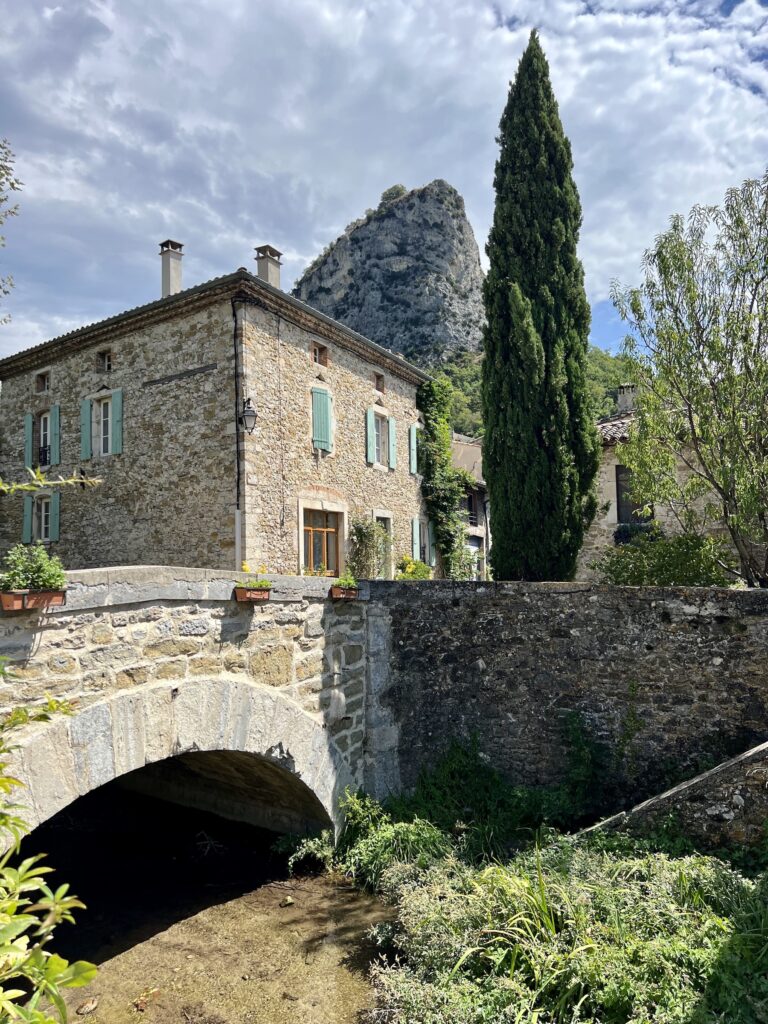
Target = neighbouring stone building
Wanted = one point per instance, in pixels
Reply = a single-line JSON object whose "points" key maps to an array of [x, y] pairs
{"points": [[160, 403], [468, 455]]}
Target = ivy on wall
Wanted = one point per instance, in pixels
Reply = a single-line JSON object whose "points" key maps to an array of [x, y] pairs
{"points": [[444, 487]]}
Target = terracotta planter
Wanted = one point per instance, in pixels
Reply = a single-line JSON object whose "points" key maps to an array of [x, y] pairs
{"points": [[344, 593], [251, 595], [26, 600]]}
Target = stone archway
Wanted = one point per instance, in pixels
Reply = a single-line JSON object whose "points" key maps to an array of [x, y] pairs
{"points": [[70, 756]]}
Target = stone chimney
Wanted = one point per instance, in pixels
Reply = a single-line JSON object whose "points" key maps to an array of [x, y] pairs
{"points": [[268, 264], [170, 258], [626, 398]]}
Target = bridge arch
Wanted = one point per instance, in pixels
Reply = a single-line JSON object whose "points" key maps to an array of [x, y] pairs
{"points": [[293, 759]]}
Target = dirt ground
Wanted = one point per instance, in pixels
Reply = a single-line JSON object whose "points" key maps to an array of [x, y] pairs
{"points": [[247, 961]]}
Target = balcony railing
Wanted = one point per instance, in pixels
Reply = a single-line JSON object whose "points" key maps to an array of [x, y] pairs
{"points": [[44, 455]]}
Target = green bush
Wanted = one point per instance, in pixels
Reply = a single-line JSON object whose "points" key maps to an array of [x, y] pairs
{"points": [[684, 561], [412, 569], [32, 568], [369, 548]]}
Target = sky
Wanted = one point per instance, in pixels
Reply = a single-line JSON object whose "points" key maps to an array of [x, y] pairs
{"points": [[228, 125]]}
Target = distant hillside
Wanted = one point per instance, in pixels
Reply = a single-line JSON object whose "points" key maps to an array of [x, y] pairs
{"points": [[407, 275]]}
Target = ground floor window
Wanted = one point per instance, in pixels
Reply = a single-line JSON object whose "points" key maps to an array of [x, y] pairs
{"points": [[42, 520], [321, 541], [386, 572]]}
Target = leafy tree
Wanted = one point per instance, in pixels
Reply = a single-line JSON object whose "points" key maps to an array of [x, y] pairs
{"points": [[443, 486], [8, 183], [392, 193], [464, 371], [541, 450], [699, 351], [605, 373]]}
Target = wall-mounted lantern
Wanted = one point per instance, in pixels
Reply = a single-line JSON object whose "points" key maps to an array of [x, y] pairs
{"points": [[247, 417]]}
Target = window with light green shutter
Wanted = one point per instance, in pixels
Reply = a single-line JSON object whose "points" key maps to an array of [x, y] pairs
{"points": [[392, 432], [416, 538], [55, 516], [431, 548], [117, 422], [86, 448], [321, 420]]}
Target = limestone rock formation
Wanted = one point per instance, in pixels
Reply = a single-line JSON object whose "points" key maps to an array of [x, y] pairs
{"points": [[406, 275]]}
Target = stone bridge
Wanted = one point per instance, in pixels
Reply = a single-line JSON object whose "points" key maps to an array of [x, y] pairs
{"points": [[268, 713]]}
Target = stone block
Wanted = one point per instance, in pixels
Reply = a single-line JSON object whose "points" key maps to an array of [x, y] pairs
{"points": [[204, 665], [90, 735], [172, 647], [169, 670], [272, 665]]}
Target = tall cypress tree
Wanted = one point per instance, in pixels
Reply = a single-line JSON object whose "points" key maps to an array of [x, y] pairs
{"points": [[540, 453]]}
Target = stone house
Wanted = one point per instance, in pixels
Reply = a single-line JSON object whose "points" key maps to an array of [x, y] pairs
{"points": [[468, 455], [227, 422]]}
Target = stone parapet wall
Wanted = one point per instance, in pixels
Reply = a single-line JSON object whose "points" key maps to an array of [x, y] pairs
{"points": [[664, 683], [127, 627]]}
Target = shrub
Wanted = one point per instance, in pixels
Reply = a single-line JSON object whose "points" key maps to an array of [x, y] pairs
{"points": [[32, 568], [412, 569], [625, 533], [369, 549], [685, 561]]}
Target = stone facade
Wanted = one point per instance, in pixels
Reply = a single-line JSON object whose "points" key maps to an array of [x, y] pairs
{"points": [[180, 370]]}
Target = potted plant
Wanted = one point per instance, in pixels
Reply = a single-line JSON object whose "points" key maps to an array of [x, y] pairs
{"points": [[345, 588], [31, 579], [253, 588]]}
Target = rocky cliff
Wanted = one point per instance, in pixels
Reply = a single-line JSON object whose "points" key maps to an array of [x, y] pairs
{"points": [[407, 275]]}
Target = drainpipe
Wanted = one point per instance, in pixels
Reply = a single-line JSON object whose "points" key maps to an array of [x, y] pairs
{"points": [[238, 468]]}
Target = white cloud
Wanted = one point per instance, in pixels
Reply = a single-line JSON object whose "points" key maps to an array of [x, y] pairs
{"points": [[227, 125]]}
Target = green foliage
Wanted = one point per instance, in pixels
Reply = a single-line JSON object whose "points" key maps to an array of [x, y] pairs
{"points": [[412, 569], [625, 533], [307, 853], [38, 480], [686, 560], [541, 449], [605, 374], [30, 567], [31, 976], [392, 193], [464, 372], [8, 183], [369, 549], [443, 486], [699, 353]]}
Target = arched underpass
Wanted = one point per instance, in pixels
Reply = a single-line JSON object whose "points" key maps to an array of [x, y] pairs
{"points": [[191, 915]]}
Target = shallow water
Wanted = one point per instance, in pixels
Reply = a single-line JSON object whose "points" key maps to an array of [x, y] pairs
{"points": [[184, 918]]}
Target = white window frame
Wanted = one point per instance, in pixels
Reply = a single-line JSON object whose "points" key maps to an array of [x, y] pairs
{"points": [[43, 438], [105, 360], [381, 438], [41, 518], [99, 404]]}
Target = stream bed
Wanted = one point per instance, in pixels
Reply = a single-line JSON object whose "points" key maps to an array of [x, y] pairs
{"points": [[193, 920]]}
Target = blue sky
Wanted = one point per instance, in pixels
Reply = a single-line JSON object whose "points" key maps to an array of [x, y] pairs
{"points": [[228, 125]]}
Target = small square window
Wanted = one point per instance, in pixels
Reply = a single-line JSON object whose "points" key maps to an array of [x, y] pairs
{"points": [[105, 360], [378, 380], [43, 382], [319, 354]]}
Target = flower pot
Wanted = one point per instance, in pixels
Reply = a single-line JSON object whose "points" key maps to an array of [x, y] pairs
{"points": [[27, 600], [344, 593], [250, 595]]}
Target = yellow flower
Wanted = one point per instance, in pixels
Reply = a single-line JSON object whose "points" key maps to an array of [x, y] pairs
{"points": [[246, 567], [262, 569]]}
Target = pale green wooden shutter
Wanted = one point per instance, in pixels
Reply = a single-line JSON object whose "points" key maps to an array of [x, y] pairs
{"points": [[321, 419], [117, 422], [431, 553], [28, 455], [26, 529], [415, 538], [392, 431], [86, 450], [55, 435], [413, 451], [370, 436], [55, 509]]}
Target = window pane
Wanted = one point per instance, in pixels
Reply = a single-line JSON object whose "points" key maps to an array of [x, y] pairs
{"points": [[307, 548], [333, 554], [317, 551], [332, 520]]}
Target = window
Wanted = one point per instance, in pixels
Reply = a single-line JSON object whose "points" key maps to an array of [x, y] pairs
{"points": [[321, 542], [105, 360], [385, 571], [319, 354], [378, 381], [471, 509], [413, 449], [382, 438], [626, 509], [104, 426], [43, 382], [44, 439], [42, 524]]}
